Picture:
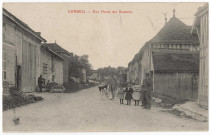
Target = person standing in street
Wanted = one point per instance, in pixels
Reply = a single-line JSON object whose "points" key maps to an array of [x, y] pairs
{"points": [[40, 82], [136, 93], [112, 87], [146, 91], [128, 95], [120, 94]]}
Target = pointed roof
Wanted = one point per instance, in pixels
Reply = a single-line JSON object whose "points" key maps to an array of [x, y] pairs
{"points": [[55, 47], [52, 52], [23, 25], [175, 31], [58, 49]]}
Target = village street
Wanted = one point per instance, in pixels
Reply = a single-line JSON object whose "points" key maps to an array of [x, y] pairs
{"points": [[85, 111]]}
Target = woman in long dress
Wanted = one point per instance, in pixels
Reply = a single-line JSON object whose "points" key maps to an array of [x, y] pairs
{"points": [[136, 93]]}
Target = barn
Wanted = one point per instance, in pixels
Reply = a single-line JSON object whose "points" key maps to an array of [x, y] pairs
{"points": [[165, 57], [176, 74], [21, 54]]}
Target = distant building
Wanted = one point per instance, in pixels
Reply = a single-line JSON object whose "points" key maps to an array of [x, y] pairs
{"points": [[172, 46], [95, 75], [201, 27], [21, 54], [51, 65]]}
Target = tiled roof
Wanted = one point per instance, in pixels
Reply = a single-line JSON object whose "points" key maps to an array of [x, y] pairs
{"points": [[58, 49], [169, 61], [51, 51], [175, 31], [22, 24]]}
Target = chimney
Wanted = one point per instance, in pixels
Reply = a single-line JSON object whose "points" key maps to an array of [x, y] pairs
{"points": [[174, 11]]}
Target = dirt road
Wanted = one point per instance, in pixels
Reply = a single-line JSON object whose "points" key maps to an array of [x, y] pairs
{"points": [[85, 111]]}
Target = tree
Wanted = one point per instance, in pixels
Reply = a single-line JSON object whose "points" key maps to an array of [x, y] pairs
{"points": [[74, 66], [85, 62]]}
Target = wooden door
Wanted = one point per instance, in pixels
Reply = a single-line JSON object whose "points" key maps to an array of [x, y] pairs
{"points": [[28, 67]]}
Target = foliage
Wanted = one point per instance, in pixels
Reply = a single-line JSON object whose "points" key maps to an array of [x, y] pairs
{"points": [[74, 87], [78, 62], [15, 91], [85, 62], [110, 71], [14, 101], [74, 66]]}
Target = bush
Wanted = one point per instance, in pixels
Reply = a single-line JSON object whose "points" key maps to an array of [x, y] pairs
{"points": [[11, 101], [73, 87], [15, 91]]}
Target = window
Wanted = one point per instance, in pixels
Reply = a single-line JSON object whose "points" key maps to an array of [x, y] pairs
{"points": [[188, 47], [166, 46], [178, 47], [170, 46], [45, 68], [183, 47]]}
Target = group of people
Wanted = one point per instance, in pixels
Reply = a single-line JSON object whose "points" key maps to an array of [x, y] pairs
{"points": [[136, 92], [41, 82]]}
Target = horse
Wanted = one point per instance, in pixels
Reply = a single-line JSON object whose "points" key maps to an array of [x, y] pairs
{"points": [[102, 87]]}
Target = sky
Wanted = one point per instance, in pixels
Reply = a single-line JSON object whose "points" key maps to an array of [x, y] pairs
{"points": [[109, 39]]}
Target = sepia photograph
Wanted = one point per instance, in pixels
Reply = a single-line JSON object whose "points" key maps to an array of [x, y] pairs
{"points": [[105, 67]]}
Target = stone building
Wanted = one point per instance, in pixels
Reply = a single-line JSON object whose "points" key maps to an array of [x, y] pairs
{"points": [[51, 65], [175, 44], [21, 54], [64, 54]]}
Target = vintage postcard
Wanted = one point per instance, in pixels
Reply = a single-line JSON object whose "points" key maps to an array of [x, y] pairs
{"points": [[105, 66]]}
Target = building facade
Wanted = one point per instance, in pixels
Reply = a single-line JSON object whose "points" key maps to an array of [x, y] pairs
{"points": [[51, 65], [174, 38], [64, 54], [21, 54], [201, 27]]}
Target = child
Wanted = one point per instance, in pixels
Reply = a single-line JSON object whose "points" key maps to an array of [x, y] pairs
{"points": [[128, 95], [136, 93], [120, 94]]}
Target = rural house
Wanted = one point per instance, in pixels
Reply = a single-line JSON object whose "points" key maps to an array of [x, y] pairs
{"points": [[21, 54], [173, 45], [64, 54], [51, 65], [200, 27]]}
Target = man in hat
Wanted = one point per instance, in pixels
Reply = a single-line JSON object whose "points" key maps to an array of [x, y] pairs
{"points": [[40, 82], [146, 91]]}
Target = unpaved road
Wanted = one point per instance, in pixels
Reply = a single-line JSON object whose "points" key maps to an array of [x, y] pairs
{"points": [[85, 111]]}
